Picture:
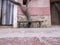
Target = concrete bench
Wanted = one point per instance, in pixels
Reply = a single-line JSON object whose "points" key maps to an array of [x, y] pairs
{"points": [[19, 23]]}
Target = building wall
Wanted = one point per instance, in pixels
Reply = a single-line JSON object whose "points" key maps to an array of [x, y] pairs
{"points": [[38, 10]]}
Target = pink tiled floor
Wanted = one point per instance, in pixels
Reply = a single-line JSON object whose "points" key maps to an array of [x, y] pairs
{"points": [[30, 41], [52, 41], [32, 36]]}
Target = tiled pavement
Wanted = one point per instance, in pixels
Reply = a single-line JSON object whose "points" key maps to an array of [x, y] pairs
{"points": [[30, 41], [32, 36]]}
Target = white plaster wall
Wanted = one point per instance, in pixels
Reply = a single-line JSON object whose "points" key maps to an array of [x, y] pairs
{"points": [[15, 16]]}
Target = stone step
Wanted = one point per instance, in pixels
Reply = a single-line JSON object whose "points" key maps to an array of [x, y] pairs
{"points": [[14, 32], [6, 26]]}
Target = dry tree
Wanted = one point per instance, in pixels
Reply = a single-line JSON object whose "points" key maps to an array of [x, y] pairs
{"points": [[24, 10]]}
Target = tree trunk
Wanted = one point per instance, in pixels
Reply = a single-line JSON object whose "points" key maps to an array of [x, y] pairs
{"points": [[24, 11]]}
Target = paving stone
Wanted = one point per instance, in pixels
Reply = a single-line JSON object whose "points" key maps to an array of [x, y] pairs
{"points": [[52, 40], [20, 41], [30, 41]]}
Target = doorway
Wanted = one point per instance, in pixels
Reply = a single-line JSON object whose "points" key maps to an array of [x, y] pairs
{"points": [[6, 12], [55, 13]]}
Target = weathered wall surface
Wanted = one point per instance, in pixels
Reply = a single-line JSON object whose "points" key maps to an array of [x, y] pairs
{"points": [[38, 10]]}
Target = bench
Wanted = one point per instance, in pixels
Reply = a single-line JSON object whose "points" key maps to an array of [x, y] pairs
{"points": [[19, 23]]}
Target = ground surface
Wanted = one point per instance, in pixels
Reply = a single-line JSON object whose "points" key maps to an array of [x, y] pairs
{"points": [[30, 36]]}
